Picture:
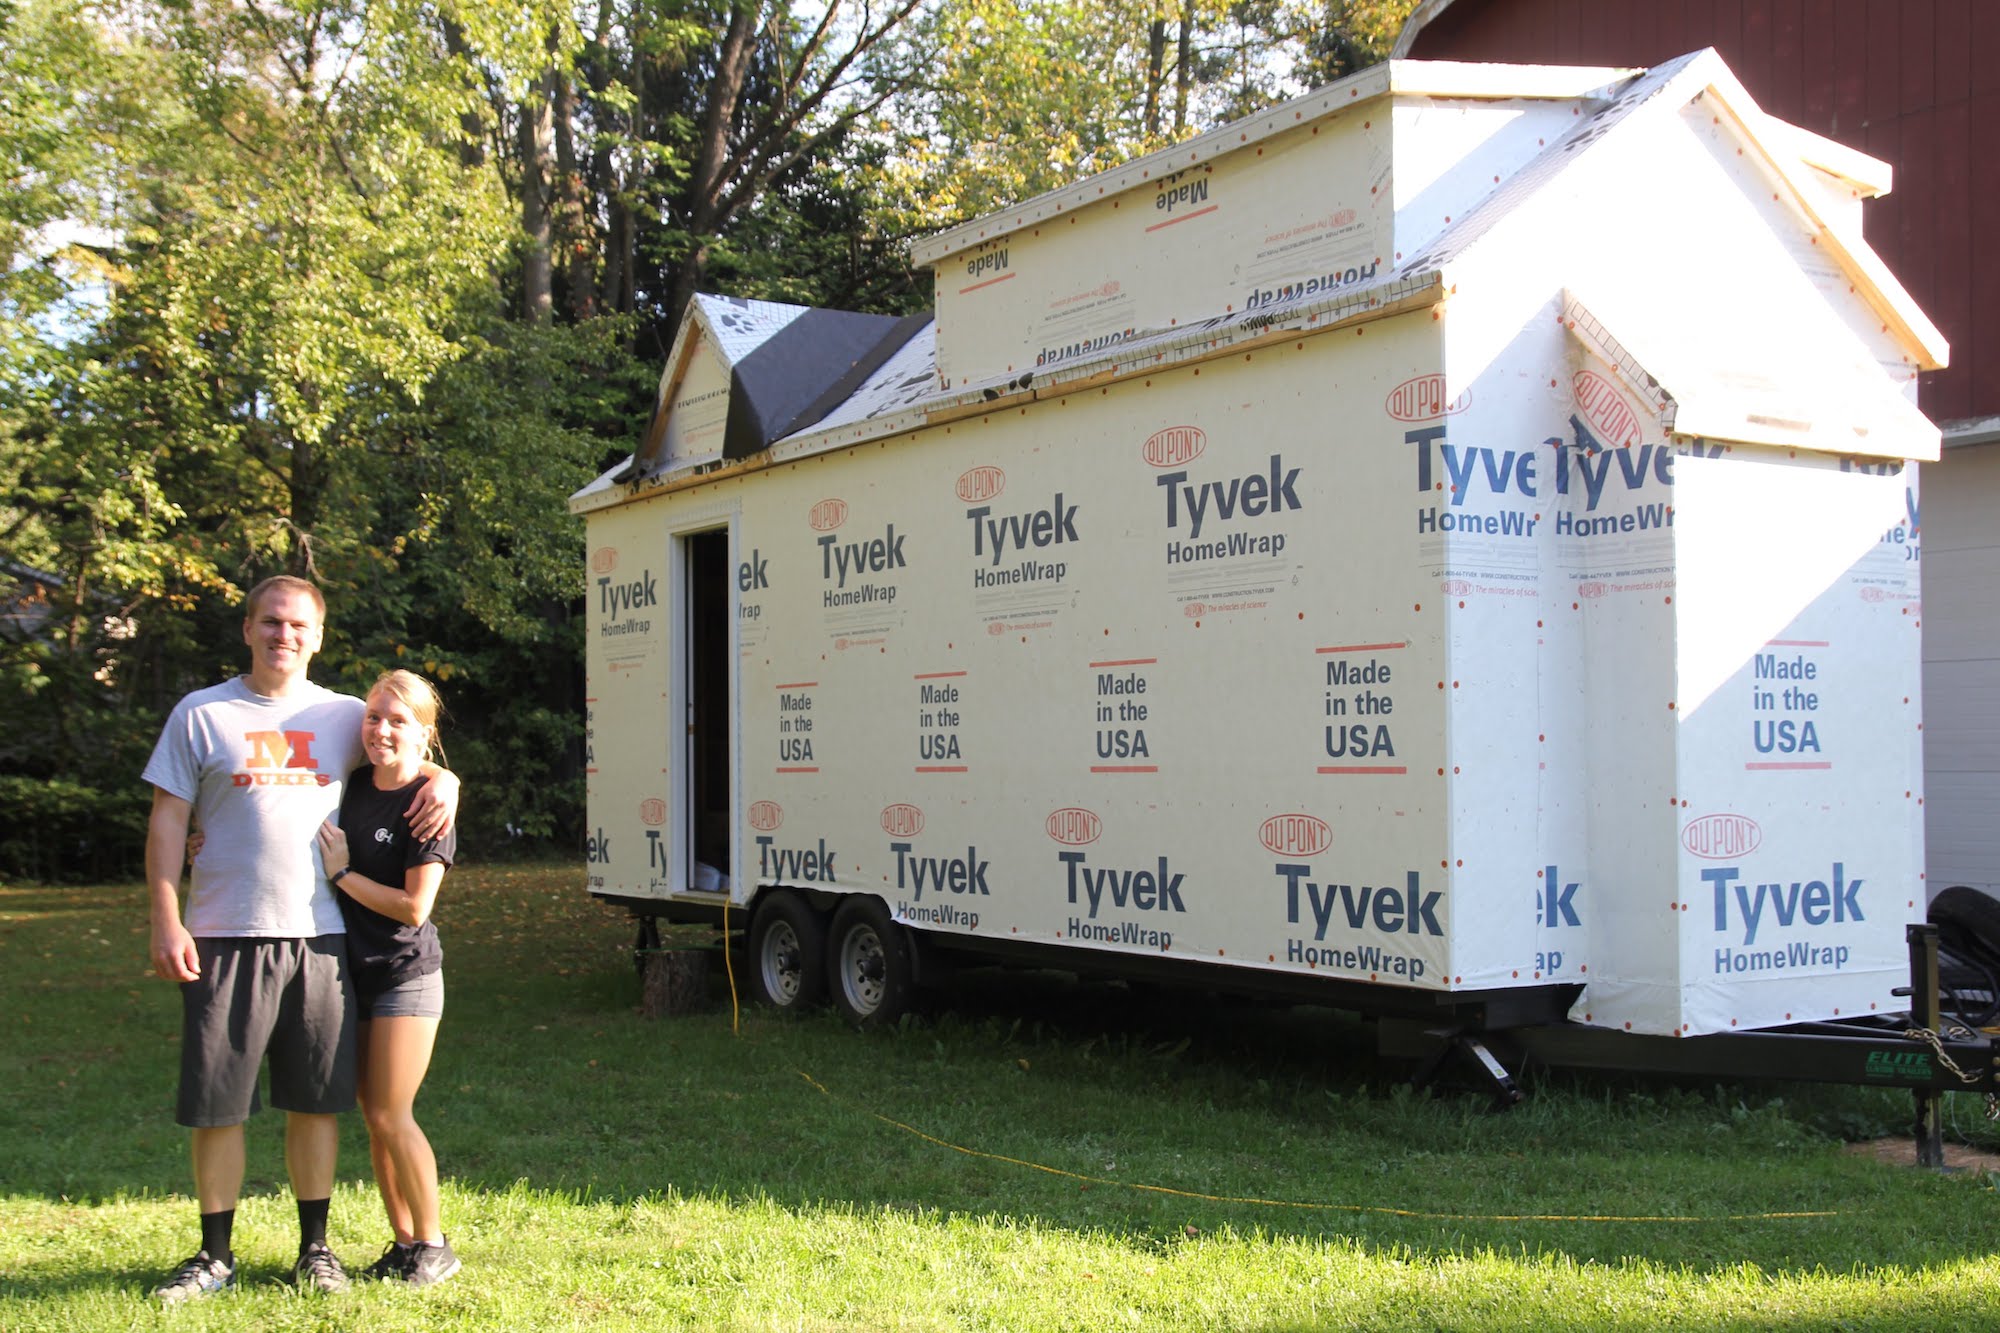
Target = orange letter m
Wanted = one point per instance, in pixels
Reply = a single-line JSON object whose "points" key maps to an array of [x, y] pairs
{"points": [[280, 749]]}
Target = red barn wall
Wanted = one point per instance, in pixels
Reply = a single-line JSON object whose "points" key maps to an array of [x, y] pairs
{"points": [[1913, 82]]}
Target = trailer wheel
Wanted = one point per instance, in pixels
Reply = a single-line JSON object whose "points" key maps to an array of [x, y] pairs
{"points": [[1968, 921], [868, 964], [787, 952]]}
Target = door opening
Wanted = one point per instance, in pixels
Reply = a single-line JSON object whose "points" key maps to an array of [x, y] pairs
{"points": [[708, 710]]}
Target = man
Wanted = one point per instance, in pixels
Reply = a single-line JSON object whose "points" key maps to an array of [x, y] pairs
{"points": [[261, 956]]}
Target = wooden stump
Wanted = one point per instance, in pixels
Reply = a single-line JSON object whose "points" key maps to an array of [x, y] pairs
{"points": [[675, 982]]}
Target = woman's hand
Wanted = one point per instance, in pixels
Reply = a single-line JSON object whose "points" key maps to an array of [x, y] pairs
{"points": [[332, 848], [435, 808]]}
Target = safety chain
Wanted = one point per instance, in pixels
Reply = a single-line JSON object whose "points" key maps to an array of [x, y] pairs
{"points": [[1930, 1039]]}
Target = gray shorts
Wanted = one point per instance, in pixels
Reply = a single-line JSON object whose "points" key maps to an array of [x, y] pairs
{"points": [[419, 997], [286, 999]]}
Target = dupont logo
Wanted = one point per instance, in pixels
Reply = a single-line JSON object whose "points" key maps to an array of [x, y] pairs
{"points": [[1722, 837], [1073, 826], [1605, 408], [1871, 593], [652, 812], [981, 483], [604, 559], [1194, 610], [1592, 588], [1424, 398], [828, 515], [902, 821], [765, 815], [1296, 835], [996, 627], [1455, 587], [1175, 446]]}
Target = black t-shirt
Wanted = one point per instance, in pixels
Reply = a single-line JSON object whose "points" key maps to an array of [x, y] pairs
{"points": [[382, 951]]}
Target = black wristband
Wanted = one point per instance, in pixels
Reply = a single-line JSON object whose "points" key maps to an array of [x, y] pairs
{"points": [[335, 877]]}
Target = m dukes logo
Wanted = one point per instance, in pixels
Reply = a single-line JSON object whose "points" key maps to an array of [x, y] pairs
{"points": [[280, 759]]}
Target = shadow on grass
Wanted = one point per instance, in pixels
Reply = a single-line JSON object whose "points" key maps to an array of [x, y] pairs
{"points": [[137, 1282]]}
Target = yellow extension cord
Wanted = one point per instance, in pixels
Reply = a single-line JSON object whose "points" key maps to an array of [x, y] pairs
{"points": [[735, 1028]]}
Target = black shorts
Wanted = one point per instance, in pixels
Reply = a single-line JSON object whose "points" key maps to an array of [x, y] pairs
{"points": [[289, 999]]}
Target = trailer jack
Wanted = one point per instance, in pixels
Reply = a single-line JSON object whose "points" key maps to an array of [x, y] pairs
{"points": [[1489, 1073], [1927, 1026]]}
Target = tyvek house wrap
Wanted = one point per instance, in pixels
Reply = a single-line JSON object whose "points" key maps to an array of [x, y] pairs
{"points": [[1538, 606]]}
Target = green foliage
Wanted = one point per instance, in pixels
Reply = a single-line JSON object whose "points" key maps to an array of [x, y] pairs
{"points": [[50, 146], [297, 362], [58, 830], [473, 570], [268, 285], [1347, 35], [1002, 109]]}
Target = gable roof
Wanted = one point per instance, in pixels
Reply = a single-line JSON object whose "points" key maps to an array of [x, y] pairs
{"points": [[1787, 152], [788, 365], [803, 381]]}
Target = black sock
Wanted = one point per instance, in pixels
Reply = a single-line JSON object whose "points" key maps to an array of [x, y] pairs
{"points": [[312, 1222], [215, 1234]]}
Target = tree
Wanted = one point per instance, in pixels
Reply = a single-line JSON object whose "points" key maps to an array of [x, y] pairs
{"points": [[301, 282], [1019, 99], [1343, 36], [324, 235], [657, 140]]}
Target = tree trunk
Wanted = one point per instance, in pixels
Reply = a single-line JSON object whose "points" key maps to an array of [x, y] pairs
{"points": [[472, 149], [707, 180], [605, 181], [307, 488], [1156, 73], [1184, 72], [575, 236], [536, 131]]}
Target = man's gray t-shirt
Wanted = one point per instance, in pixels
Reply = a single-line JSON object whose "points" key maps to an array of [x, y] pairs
{"points": [[261, 774]]}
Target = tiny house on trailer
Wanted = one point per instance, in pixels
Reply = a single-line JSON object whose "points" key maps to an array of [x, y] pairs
{"points": [[1446, 546]]}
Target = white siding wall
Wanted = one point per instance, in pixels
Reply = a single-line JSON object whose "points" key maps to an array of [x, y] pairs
{"points": [[1961, 545]]}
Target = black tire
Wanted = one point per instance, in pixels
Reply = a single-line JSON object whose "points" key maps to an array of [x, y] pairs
{"points": [[787, 948], [1968, 988], [1968, 922], [868, 965]]}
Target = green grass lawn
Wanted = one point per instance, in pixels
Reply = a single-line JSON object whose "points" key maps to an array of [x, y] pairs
{"points": [[1043, 1154]]}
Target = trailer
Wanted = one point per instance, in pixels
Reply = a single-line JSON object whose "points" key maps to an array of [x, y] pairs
{"points": [[1446, 547]]}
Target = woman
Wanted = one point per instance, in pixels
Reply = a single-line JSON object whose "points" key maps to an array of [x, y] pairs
{"points": [[388, 880]]}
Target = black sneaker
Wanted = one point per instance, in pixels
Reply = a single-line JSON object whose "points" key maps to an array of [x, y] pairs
{"points": [[198, 1277], [430, 1264], [318, 1270], [393, 1266]]}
